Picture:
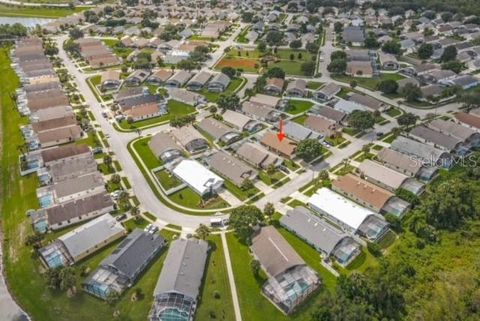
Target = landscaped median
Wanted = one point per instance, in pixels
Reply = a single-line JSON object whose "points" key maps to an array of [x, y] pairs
{"points": [[146, 161]]}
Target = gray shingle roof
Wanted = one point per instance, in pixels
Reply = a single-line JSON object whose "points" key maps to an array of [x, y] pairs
{"points": [[447, 142], [183, 268]]}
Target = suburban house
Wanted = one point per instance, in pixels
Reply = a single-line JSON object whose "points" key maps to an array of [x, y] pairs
{"points": [[274, 86], [469, 137], [369, 102], [179, 79], [438, 140], [290, 280], [285, 148], [137, 77], [469, 120], [260, 112], [110, 80], [60, 154], [405, 164], [323, 126], [350, 216], [160, 77], [298, 132], [257, 155], [326, 239], [186, 97], [218, 130], [122, 268], [267, 100], [68, 169], [240, 121], [327, 92], [164, 147], [297, 88], [330, 113], [369, 195], [179, 283], [359, 69], [198, 81], [198, 177], [427, 154], [219, 83], [388, 178], [347, 107], [232, 168], [72, 212], [190, 139], [81, 242], [354, 35], [388, 61]]}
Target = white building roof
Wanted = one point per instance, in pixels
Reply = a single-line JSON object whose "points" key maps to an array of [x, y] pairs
{"points": [[197, 176], [339, 207], [348, 106]]}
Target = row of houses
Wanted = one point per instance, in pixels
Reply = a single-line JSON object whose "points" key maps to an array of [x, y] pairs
{"points": [[41, 97], [96, 54]]}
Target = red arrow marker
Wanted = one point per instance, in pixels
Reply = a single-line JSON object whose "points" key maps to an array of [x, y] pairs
{"points": [[280, 134]]}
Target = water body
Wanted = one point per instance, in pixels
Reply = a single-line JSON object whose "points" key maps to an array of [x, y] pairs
{"points": [[27, 22]]}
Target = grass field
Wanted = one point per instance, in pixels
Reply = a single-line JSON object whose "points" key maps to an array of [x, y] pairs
{"points": [[232, 87], [175, 109], [271, 179], [298, 106], [216, 297], [368, 83], [121, 52], [188, 198], [167, 180], [48, 13], [146, 154]]}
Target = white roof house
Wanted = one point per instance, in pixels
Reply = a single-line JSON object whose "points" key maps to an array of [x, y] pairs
{"points": [[198, 177], [339, 209], [348, 107]]}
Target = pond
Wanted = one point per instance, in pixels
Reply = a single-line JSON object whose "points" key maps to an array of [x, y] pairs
{"points": [[27, 22]]}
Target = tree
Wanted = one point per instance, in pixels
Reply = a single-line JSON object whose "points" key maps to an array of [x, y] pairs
{"points": [[231, 101], [269, 209], [262, 46], [292, 56], [67, 278], [371, 41], [247, 184], [470, 101], [276, 72], [425, 51], [229, 71], [361, 120], [338, 27], [388, 86], [271, 169], [135, 212], [295, 44], [449, 54], [255, 265], [411, 92], [323, 175], [308, 68], [309, 149], [274, 38], [112, 297], [353, 84], [312, 47], [243, 219], [115, 179], [392, 47], [76, 33], [407, 119], [107, 160], [337, 66], [453, 65], [338, 54], [247, 16], [202, 232]]}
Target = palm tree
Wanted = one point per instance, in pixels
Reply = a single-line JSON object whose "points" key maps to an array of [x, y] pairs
{"points": [[202, 232]]}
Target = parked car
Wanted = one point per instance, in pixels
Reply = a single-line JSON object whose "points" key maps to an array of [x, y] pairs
{"points": [[121, 217]]}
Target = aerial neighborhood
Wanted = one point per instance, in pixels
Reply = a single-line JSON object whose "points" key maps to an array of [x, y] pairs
{"points": [[240, 160]]}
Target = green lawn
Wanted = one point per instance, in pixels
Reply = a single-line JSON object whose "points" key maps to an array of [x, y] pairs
{"points": [[175, 108], [296, 203], [239, 192], [300, 119], [216, 300], [49, 13], [188, 198], [122, 52], [314, 85], [232, 87], [132, 224], [298, 106], [254, 306], [271, 179], [393, 112], [368, 83], [148, 157], [167, 180]]}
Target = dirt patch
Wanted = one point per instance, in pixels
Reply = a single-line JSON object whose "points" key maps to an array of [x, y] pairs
{"points": [[244, 63]]}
